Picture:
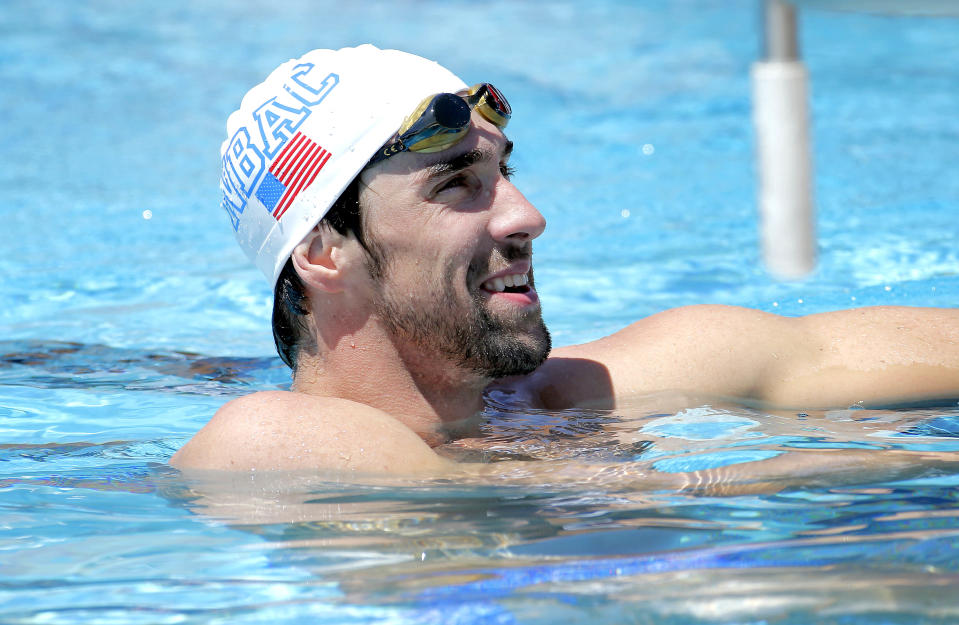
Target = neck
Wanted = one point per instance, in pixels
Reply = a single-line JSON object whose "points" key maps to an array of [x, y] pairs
{"points": [[428, 393]]}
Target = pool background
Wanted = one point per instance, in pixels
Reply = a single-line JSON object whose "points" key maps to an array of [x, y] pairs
{"points": [[633, 132], [112, 110]]}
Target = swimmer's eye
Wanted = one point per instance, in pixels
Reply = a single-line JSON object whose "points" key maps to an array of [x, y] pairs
{"points": [[452, 183], [463, 180]]}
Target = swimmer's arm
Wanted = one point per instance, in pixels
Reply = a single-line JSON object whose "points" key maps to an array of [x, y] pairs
{"points": [[283, 431], [836, 359], [874, 356]]}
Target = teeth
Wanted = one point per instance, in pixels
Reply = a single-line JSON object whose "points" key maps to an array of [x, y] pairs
{"points": [[498, 285]]}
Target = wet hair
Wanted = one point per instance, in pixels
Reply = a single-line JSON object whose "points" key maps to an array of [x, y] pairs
{"points": [[291, 332]]}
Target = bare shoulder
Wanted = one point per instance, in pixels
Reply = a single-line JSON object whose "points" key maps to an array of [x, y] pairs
{"points": [[682, 349], [675, 326], [280, 430]]}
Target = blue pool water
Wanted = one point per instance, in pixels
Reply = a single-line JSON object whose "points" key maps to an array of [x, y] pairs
{"points": [[129, 315]]}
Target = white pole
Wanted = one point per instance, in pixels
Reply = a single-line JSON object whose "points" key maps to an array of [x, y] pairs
{"points": [[781, 117]]}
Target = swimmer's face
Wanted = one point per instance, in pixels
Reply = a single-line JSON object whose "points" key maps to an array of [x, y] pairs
{"points": [[451, 241]]}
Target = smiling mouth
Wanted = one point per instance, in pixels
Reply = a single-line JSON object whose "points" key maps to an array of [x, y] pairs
{"points": [[510, 283]]}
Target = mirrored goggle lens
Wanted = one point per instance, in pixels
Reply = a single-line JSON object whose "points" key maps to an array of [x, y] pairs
{"points": [[491, 103], [440, 121], [436, 124]]}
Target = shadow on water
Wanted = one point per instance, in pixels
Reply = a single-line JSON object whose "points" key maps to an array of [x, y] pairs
{"points": [[58, 365]]}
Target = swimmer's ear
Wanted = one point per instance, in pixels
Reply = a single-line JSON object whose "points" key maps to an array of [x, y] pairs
{"points": [[320, 259]]}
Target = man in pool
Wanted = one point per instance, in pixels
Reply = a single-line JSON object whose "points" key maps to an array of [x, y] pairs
{"points": [[373, 189]]}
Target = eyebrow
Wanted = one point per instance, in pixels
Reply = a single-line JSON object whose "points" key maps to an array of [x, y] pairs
{"points": [[462, 161]]}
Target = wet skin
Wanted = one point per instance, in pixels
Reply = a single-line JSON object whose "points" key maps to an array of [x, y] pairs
{"points": [[412, 332]]}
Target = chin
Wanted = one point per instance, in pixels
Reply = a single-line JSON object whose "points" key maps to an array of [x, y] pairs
{"points": [[506, 354]]}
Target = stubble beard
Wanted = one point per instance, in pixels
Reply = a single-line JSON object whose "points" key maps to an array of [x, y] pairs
{"points": [[470, 336]]}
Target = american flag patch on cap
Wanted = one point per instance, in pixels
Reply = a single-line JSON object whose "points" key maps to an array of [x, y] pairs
{"points": [[294, 169]]}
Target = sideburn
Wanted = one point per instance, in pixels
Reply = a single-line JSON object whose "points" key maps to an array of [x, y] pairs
{"points": [[376, 258]]}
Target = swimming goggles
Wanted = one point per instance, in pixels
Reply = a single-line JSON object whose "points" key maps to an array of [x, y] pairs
{"points": [[441, 120]]}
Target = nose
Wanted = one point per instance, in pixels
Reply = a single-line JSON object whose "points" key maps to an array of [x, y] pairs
{"points": [[514, 219]]}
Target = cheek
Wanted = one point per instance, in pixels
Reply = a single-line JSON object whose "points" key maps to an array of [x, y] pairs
{"points": [[440, 254]]}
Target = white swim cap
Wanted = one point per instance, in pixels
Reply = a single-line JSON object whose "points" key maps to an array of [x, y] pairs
{"points": [[302, 135]]}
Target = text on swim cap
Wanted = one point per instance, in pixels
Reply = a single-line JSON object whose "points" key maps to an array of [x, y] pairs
{"points": [[274, 122]]}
